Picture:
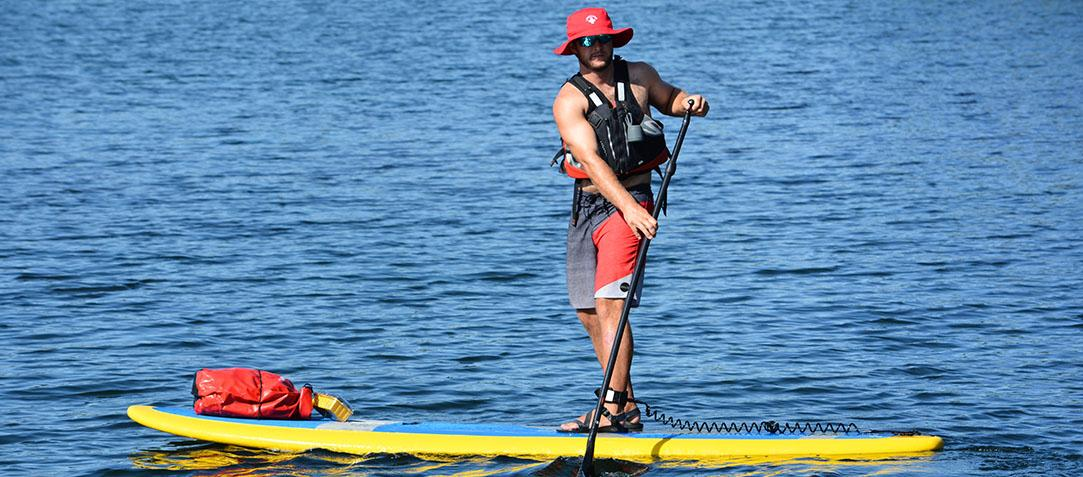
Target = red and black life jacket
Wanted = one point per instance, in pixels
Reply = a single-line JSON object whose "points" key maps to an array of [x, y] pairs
{"points": [[611, 123]]}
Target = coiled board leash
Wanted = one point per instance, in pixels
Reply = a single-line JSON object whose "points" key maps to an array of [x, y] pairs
{"points": [[734, 427]]}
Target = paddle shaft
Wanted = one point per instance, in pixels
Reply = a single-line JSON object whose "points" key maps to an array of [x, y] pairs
{"points": [[587, 466]]}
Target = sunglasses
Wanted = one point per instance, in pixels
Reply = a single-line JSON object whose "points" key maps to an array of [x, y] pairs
{"points": [[587, 41]]}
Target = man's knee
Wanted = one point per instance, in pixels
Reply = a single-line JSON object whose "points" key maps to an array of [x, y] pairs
{"points": [[609, 308], [587, 315]]}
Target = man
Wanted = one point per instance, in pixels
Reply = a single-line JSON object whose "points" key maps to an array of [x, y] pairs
{"points": [[611, 146]]}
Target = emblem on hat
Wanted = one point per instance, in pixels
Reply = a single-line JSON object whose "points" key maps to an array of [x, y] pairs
{"points": [[591, 19]]}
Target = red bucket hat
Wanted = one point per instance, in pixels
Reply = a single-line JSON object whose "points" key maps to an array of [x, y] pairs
{"points": [[590, 22]]}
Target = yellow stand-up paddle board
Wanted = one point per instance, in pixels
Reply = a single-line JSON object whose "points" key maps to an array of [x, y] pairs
{"points": [[367, 437]]}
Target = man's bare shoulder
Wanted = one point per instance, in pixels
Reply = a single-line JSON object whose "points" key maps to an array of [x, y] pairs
{"points": [[641, 72], [570, 97]]}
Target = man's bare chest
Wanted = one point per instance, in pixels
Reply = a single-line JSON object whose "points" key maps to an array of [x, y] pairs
{"points": [[638, 91]]}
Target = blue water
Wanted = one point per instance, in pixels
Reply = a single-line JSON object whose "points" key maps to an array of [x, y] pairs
{"points": [[880, 221]]}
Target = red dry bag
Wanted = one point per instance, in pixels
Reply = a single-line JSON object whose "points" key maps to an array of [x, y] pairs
{"points": [[252, 393]]}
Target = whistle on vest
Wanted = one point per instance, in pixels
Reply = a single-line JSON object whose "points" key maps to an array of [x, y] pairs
{"points": [[648, 127], [632, 132]]}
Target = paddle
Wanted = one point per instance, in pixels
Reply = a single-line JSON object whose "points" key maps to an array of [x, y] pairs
{"points": [[587, 466]]}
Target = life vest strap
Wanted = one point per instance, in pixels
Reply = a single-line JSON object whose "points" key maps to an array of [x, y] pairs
{"points": [[595, 96]]}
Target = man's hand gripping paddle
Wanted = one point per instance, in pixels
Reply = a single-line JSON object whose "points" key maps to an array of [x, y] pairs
{"points": [[587, 466]]}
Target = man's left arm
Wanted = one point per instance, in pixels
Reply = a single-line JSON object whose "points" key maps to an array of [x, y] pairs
{"points": [[668, 99]]}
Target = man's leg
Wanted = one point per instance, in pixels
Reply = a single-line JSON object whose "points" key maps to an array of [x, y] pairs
{"points": [[601, 256], [605, 321], [601, 325]]}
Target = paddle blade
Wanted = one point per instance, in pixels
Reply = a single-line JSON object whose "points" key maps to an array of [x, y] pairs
{"points": [[570, 466]]}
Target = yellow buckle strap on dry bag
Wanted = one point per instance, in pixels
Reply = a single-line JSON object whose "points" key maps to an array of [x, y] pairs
{"points": [[332, 406]]}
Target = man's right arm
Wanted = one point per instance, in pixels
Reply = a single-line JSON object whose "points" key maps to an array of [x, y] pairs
{"points": [[668, 99], [569, 110]]}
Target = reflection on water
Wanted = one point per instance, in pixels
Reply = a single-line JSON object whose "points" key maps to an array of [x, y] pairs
{"points": [[233, 461], [767, 467]]}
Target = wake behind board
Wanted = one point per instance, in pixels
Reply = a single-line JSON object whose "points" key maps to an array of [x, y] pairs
{"points": [[368, 437]]}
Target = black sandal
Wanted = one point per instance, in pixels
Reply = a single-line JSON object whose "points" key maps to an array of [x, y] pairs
{"points": [[618, 423]]}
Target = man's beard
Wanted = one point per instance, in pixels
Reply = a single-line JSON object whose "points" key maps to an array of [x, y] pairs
{"points": [[586, 63]]}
